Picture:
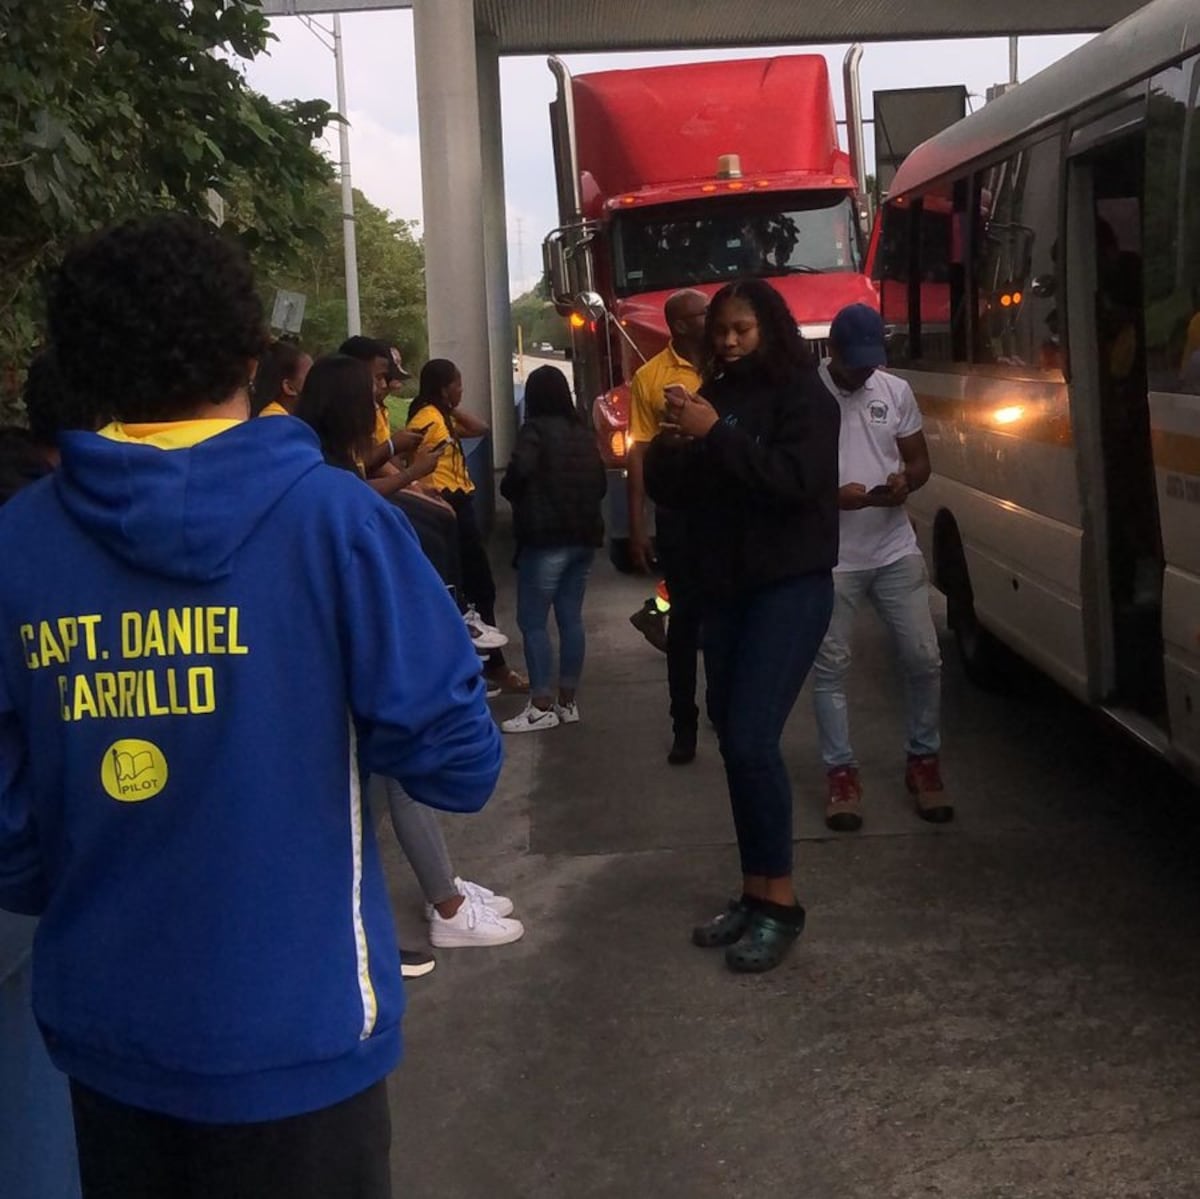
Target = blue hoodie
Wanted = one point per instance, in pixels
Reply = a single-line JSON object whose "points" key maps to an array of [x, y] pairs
{"points": [[203, 652]]}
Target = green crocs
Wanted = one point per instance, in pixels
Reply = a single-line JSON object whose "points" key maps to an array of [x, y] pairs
{"points": [[725, 929], [766, 942]]}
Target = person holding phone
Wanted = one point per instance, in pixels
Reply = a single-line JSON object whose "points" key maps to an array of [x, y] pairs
{"points": [[752, 459], [882, 459]]}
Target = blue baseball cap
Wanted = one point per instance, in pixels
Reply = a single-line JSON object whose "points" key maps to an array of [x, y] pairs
{"points": [[857, 335]]}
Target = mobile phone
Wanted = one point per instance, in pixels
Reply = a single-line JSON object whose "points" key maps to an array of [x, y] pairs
{"points": [[676, 393], [437, 445], [881, 489]]}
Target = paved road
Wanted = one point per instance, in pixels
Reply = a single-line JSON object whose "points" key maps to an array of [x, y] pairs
{"points": [[1007, 1006]]}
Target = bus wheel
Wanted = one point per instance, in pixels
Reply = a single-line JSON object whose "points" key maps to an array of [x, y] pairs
{"points": [[986, 661], [619, 555]]}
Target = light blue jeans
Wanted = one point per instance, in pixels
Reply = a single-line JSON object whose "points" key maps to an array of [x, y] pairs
{"points": [[552, 578], [900, 595]]}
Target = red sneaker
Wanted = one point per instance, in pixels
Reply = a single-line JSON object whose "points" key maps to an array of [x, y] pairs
{"points": [[843, 808], [923, 778]]}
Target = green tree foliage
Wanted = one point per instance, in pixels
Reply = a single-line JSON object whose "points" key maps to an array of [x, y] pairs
{"points": [[110, 108], [539, 320], [391, 277]]}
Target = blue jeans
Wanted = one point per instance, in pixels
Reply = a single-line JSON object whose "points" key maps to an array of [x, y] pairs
{"points": [[552, 578], [758, 649], [899, 593]]}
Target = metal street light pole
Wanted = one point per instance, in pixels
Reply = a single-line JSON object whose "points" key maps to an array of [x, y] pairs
{"points": [[353, 312]]}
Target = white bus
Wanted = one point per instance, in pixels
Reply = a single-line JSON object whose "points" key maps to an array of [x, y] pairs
{"points": [[1039, 272]]}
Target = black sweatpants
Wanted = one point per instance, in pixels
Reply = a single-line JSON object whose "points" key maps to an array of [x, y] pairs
{"points": [[479, 588], [339, 1152], [437, 531], [683, 623]]}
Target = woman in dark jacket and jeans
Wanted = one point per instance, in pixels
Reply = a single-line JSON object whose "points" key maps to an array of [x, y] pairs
{"points": [[754, 459], [555, 483]]}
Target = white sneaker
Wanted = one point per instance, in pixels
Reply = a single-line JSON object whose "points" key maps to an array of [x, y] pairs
{"points": [[473, 924], [483, 635], [500, 904], [567, 713], [532, 720], [493, 690]]}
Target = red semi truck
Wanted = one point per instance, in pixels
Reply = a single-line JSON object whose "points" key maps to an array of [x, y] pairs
{"points": [[693, 176]]}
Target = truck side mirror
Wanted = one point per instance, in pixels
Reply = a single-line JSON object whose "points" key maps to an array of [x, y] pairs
{"points": [[592, 303], [1044, 286], [554, 259]]}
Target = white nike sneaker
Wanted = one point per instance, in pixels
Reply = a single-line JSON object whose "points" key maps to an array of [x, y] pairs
{"points": [[567, 713], [532, 720]]}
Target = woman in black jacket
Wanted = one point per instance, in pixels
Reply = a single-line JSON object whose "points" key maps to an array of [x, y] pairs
{"points": [[754, 459], [555, 483]]}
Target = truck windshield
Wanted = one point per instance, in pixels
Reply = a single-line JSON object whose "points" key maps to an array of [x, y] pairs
{"points": [[657, 249]]}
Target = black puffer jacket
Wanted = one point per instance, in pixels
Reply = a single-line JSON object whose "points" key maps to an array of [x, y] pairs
{"points": [[555, 483], [761, 489]]}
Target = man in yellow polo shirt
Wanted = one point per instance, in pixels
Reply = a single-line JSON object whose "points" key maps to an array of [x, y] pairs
{"points": [[679, 364]]}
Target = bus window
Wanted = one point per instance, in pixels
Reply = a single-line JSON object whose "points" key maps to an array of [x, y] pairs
{"points": [[1015, 270], [1172, 231], [892, 272], [941, 273]]}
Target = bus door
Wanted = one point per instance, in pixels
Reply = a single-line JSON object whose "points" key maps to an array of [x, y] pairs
{"points": [[1111, 414]]}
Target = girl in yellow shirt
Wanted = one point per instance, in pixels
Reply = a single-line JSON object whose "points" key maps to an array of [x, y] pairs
{"points": [[437, 416]]}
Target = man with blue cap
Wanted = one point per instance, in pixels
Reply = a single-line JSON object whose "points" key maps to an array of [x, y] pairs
{"points": [[882, 459]]}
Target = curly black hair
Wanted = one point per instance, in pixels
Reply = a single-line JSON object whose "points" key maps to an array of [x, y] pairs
{"points": [[51, 406], [782, 351], [155, 317]]}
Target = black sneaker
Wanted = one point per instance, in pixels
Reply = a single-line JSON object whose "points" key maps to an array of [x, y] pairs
{"points": [[683, 747], [414, 963]]}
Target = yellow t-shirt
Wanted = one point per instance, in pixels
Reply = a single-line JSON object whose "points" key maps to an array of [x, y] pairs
{"points": [[383, 425], [451, 472], [648, 401], [274, 408]]}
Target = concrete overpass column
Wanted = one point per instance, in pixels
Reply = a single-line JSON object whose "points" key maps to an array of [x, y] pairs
{"points": [[495, 250], [451, 187]]}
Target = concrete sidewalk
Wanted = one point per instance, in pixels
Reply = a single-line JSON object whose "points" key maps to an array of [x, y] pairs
{"points": [[1006, 1006]]}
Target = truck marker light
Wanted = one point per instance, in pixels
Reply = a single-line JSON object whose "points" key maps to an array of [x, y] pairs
{"points": [[577, 320], [1017, 297], [709, 187], [736, 186], [1009, 415], [763, 183], [617, 444], [627, 200]]}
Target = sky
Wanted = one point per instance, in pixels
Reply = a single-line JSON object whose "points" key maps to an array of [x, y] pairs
{"points": [[381, 96]]}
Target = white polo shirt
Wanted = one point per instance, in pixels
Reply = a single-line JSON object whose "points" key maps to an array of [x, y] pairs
{"points": [[873, 417]]}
